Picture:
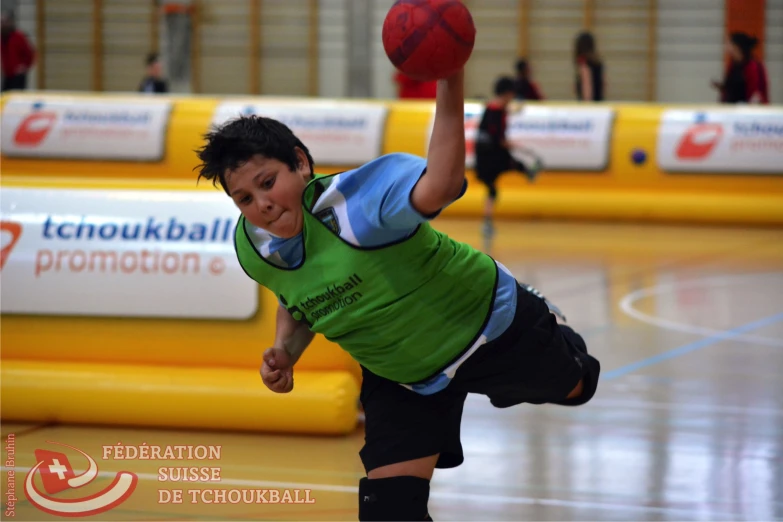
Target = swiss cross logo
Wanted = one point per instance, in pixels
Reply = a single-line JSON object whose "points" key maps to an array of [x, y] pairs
{"points": [[55, 470], [35, 127], [700, 139], [57, 475], [9, 235]]}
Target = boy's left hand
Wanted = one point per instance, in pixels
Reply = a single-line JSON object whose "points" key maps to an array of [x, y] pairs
{"points": [[277, 358], [277, 371]]}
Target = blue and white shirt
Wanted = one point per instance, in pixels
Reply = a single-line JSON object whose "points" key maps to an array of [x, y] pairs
{"points": [[372, 206]]}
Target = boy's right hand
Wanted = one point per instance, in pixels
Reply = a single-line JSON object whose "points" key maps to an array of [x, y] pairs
{"points": [[276, 371]]}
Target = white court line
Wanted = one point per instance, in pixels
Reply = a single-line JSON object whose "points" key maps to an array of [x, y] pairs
{"points": [[435, 494], [683, 407], [626, 304]]}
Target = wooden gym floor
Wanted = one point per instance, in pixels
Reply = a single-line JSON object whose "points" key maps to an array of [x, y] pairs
{"points": [[687, 423]]}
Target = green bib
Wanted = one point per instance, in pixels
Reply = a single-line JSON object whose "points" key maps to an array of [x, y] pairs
{"points": [[404, 311]]}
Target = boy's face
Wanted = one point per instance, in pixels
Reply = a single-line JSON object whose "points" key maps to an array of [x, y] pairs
{"points": [[269, 193]]}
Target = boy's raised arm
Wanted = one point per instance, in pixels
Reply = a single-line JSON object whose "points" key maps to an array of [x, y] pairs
{"points": [[445, 175]]}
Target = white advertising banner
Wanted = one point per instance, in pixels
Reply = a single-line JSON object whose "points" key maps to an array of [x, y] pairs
{"points": [[336, 133], [742, 140], [122, 254], [563, 138], [82, 128]]}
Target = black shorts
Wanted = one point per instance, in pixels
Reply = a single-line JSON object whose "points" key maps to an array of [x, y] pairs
{"points": [[536, 361], [489, 167]]}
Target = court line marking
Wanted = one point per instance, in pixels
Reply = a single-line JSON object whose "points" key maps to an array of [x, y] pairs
{"points": [[445, 495], [626, 304], [684, 407], [734, 333]]}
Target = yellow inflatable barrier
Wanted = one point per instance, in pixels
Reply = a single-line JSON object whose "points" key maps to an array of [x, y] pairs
{"points": [[641, 150], [131, 340], [176, 397], [718, 208]]}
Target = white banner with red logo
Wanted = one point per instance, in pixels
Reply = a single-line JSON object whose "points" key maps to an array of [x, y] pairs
{"points": [[743, 140], [335, 132], [122, 253], [562, 138], [82, 128]]}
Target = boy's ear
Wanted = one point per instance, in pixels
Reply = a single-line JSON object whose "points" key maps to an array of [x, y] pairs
{"points": [[301, 161]]}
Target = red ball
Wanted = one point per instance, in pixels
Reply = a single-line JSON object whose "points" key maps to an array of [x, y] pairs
{"points": [[428, 39]]}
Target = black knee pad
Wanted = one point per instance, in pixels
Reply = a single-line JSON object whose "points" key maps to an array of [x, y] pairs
{"points": [[395, 498]]}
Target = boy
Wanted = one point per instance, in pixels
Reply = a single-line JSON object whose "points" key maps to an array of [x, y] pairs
{"points": [[493, 156], [428, 318]]}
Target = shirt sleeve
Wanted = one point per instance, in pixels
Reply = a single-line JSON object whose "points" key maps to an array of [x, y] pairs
{"points": [[383, 189]]}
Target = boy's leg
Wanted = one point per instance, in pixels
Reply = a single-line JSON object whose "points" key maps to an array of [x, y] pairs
{"points": [[530, 169], [536, 361], [589, 382], [398, 491], [489, 179], [407, 436], [552, 307], [488, 227]]}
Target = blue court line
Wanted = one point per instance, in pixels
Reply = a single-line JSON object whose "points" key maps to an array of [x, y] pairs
{"points": [[691, 347]]}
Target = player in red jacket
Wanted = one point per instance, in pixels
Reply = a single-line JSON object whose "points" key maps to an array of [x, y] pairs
{"points": [[746, 78], [17, 55]]}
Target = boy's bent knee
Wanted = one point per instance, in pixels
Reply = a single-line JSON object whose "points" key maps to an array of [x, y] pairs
{"points": [[587, 386], [394, 498], [578, 390]]}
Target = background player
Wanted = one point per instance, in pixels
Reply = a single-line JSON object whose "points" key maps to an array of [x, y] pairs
{"points": [[493, 154]]}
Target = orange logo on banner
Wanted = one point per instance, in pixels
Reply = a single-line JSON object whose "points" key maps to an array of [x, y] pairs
{"points": [[15, 230], [699, 141], [34, 128]]}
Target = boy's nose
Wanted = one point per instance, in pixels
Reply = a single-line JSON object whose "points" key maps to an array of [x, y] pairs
{"points": [[264, 205]]}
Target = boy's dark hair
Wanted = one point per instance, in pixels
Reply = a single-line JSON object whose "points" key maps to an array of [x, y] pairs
{"points": [[504, 85], [232, 145], [522, 67], [151, 58]]}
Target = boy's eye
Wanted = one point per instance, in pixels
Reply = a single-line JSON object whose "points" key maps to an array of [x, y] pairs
{"points": [[268, 182], [245, 200]]}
